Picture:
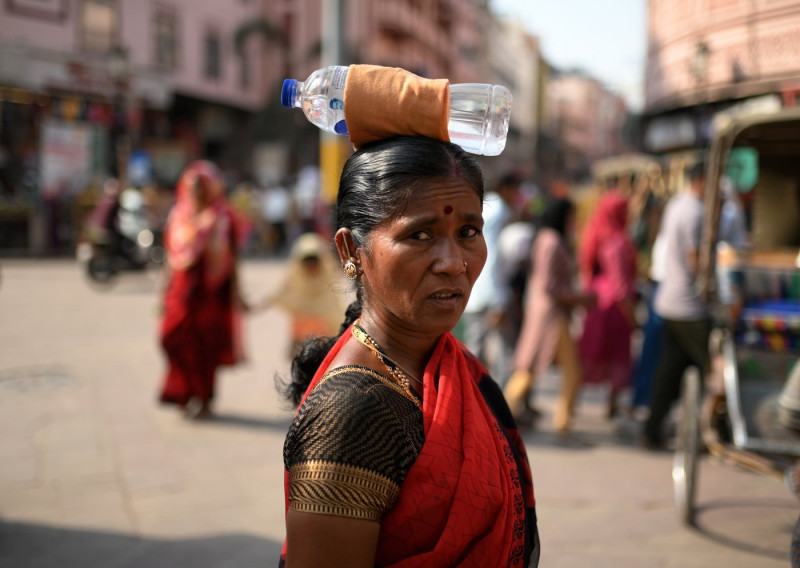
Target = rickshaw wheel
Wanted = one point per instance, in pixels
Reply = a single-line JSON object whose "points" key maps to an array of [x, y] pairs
{"points": [[687, 451]]}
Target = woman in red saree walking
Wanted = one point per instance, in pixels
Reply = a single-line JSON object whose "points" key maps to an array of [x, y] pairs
{"points": [[200, 329], [608, 267]]}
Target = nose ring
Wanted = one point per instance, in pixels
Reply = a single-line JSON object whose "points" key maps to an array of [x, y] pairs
{"points": [[465, 265]]}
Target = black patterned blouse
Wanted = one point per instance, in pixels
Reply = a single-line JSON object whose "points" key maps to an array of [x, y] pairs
{"points": [[351, 445]]}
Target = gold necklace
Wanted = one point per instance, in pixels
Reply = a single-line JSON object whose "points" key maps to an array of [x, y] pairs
{"points": [[394, 369]]}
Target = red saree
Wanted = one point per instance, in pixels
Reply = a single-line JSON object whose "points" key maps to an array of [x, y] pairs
{"points": [[200, 329], [468, 499]]}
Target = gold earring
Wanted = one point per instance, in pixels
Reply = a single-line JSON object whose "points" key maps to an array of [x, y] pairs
{"points": [[351, 271]]}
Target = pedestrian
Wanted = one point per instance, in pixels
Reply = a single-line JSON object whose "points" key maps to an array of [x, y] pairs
{"points": [[514, 261], [402, 451], [277, 210], [244, 204], [545, 336], [732, 239], [484, 322], [685, 313], [652, 333], [200, 326], [307, 200], [607, 263], [312, 292], [732, 218], [103, 223]]}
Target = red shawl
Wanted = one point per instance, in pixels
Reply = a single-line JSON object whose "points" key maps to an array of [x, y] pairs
{"points": [[466, 499], [609, 221], [191, 235]]}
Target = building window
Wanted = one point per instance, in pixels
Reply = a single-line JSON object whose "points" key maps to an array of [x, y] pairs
{"points": [[166, 40], [53, 10], [212, 56], [99, 23]]}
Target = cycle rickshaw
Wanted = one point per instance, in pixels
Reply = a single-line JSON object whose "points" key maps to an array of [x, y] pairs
{"points": [[752, 418]]}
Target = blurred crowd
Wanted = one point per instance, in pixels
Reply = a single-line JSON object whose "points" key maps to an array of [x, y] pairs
{"points": [[270, 217], [276, 214], [578, 283], [569, 283]]}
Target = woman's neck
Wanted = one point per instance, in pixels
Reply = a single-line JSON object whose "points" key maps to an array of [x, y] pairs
{"points": [[407, 348]]}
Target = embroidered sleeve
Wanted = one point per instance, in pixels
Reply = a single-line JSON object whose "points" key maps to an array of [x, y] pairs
{"points": [[351, 445]]}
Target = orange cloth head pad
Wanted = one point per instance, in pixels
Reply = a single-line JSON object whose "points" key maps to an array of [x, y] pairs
{"points": [[382, 102]]}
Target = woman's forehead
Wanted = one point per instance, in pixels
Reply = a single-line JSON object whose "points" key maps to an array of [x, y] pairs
{"points": [[446, 194]]}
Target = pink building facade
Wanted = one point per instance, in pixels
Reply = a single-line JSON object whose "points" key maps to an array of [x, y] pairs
{"points": [[705, 55], [87, 86], [586, 119], [173, 80], [436, 38], [105, 62]]}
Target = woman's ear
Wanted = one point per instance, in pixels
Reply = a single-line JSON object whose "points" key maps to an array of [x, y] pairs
{"points": [[345, 246]]}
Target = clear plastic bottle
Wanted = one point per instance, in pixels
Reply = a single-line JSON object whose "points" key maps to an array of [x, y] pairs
{"points": [[321, 97], [479, 113], [479, 116]]}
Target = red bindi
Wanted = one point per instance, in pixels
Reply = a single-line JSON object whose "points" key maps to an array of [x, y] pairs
{"points": [[448, 209]]}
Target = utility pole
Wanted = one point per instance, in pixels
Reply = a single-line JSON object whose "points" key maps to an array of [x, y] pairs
{"points": [[332, 149]]}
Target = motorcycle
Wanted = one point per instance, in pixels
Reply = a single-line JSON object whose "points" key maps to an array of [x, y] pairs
{"points": [[134, 246]]}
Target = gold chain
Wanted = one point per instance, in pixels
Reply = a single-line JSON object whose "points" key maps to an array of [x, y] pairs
{"points": [[394, 369]]}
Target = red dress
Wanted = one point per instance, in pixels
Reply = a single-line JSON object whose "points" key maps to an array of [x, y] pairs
{"points": [[200, 329], [608, 266], [605, 345]]}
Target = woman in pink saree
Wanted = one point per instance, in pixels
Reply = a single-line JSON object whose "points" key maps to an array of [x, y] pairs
{"points": [[607, 263]]}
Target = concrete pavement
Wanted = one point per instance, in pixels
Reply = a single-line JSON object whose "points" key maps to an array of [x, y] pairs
{"points": [[93, 472]]}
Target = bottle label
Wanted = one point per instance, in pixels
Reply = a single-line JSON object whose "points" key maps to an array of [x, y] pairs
{"points": [[336, 93], [338, 81]]}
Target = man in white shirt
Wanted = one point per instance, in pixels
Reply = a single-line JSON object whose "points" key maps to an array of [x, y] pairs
{"points": [[686, 320]]}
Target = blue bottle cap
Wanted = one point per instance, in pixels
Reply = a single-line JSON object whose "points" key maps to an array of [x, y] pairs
{"points": [[288, 92], [340, 127]]}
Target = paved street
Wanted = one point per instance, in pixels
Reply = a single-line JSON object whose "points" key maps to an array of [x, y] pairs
{"points": [[93, 472]]}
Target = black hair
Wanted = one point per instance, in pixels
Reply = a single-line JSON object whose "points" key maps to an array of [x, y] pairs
{"points": [[697, 171], [508, 180], [378, 182], [555, 215]]}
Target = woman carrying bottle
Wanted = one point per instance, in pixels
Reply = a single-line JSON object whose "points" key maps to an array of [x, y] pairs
{"points": [[402, 451], [608, 267], [545, 336], [200, 328]]}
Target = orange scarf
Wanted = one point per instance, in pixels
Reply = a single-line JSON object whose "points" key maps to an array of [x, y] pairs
{"points": [[468, 499]]}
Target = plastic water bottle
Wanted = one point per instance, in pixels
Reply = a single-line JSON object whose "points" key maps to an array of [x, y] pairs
{"points": [[321, 97], [479, 113]]}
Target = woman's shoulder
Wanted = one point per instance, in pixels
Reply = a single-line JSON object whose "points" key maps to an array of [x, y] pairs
{"points": [[355, 416], [356, 381], [351, 394], [549, 243], [547, 235], [351, 371]]}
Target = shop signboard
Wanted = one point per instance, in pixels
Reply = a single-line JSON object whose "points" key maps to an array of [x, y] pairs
{"points": [[66, 157]]}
